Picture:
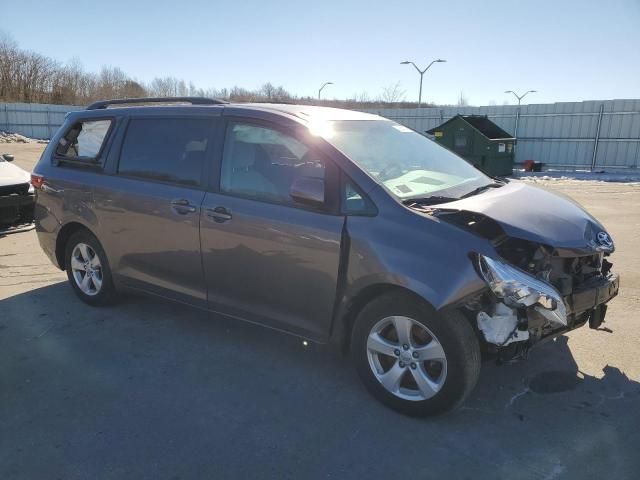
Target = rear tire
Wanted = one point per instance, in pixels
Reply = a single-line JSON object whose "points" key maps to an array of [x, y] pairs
{"points": [[88, 269], [432, 371]]}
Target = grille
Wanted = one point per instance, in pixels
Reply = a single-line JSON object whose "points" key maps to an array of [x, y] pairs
{"points": [[570, 273], [19, 189]]}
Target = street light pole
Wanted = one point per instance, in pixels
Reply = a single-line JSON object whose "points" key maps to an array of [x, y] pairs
{"points": [[421, 72], [520, 97], [323, 85], [515, 133]]}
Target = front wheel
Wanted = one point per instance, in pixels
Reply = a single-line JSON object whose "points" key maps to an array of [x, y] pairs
{"points": [[413, 359], [88, 269]]}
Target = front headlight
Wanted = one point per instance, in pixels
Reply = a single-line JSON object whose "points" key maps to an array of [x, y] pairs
{"points": [[518, 289]]}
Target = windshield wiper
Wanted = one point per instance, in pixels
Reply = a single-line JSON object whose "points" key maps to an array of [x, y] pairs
{"points": [[481, 189], [433, 200]]}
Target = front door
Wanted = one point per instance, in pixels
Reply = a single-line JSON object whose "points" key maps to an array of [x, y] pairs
{"points": [[266, 258], [150, 210]]}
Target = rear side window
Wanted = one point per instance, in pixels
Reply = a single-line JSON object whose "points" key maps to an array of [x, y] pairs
{"points": [[166, 149], [84, 140]]}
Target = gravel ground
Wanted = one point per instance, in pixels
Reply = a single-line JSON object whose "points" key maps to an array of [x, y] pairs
{"points": [[149, 389], [7, 137]]}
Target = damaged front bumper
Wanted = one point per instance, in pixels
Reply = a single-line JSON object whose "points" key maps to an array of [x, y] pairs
{"points": [[523, 310], [16, 210], [587, 303], [588, 297]]}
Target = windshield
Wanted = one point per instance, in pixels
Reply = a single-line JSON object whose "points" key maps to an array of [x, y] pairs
{"points": [[408, 164]]}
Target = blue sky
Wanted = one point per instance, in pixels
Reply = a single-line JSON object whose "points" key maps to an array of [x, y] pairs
{"points": [[567, 50]]}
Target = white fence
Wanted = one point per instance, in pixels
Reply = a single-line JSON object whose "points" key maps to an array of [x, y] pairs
{"points": [[35, 120], [591, 134]]}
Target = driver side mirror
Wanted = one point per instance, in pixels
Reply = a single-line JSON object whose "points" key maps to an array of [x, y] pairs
{"points": [[308, 190], [8, 157]]}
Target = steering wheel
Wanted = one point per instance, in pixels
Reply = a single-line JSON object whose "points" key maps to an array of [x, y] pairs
{"points": [[307, 161], [388, 169]]}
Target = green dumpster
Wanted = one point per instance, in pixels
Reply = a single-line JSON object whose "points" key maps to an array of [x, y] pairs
{"points": [[479, 141]]}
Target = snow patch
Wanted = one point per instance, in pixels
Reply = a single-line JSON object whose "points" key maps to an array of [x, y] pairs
{"points": [[632, 176]]}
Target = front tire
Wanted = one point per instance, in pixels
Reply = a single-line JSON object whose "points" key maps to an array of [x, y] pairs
{"points": [[88, 269], [413, 359]]}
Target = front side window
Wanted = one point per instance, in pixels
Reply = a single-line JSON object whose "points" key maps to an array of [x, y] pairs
{"points": [[84, 140], [263, 163], [408, 164], [166, 149], [354, 202]]}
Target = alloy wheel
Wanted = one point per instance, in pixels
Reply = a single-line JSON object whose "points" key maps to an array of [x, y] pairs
{"points": [[406, 358], [86, 269]]}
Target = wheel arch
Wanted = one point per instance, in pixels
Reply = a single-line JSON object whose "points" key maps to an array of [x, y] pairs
{"points": [[347, 315], [63, 237]]}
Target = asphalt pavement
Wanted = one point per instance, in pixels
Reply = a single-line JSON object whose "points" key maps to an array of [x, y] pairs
{"points": [[151, 389]]}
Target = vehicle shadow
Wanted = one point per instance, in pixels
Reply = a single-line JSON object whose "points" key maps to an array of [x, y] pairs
{"points": [[87, 389], [552, 369]]}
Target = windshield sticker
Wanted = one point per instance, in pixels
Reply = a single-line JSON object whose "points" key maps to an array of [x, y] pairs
{"points": [[402, 128]]}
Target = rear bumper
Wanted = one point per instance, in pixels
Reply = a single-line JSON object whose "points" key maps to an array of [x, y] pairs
{"points": [[47, 228]]}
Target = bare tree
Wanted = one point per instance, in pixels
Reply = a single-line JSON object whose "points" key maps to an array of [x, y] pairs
{"points": [[393, 93], [195, 91], [30, 77], [462, 100], [27, 76], [222, 94], [8, 62], [163, 87], [239, 94], [362, 97], [267, 91], [133, 89], [111, 82], [281, 95]]}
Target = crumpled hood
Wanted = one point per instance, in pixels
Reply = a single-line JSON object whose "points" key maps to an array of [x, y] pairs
{"points": [[11, 174], [537, 215]]}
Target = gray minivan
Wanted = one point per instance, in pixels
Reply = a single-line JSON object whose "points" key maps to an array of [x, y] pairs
{"points": [[333, 225]]}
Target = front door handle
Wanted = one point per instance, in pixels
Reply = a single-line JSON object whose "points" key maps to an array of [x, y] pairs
{"points": [[219, 214], [182, 206]]}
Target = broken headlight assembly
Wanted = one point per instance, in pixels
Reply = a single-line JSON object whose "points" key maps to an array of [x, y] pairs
{"points": [[518, 289]]}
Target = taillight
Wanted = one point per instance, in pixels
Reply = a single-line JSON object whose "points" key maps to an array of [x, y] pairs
{"points": [[37, 181]]}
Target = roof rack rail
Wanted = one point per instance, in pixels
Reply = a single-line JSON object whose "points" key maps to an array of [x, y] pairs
{"points": [[125, 101]]}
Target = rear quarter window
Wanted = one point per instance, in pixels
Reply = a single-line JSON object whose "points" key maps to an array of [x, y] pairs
{"points": [[83, 142]]}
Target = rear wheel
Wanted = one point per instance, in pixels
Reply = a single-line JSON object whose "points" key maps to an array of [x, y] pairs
{"points": [[413, 359], [88, 269]]}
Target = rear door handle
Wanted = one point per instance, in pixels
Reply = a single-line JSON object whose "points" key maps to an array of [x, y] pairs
{"points": [[182, 206], [219, 214]]}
